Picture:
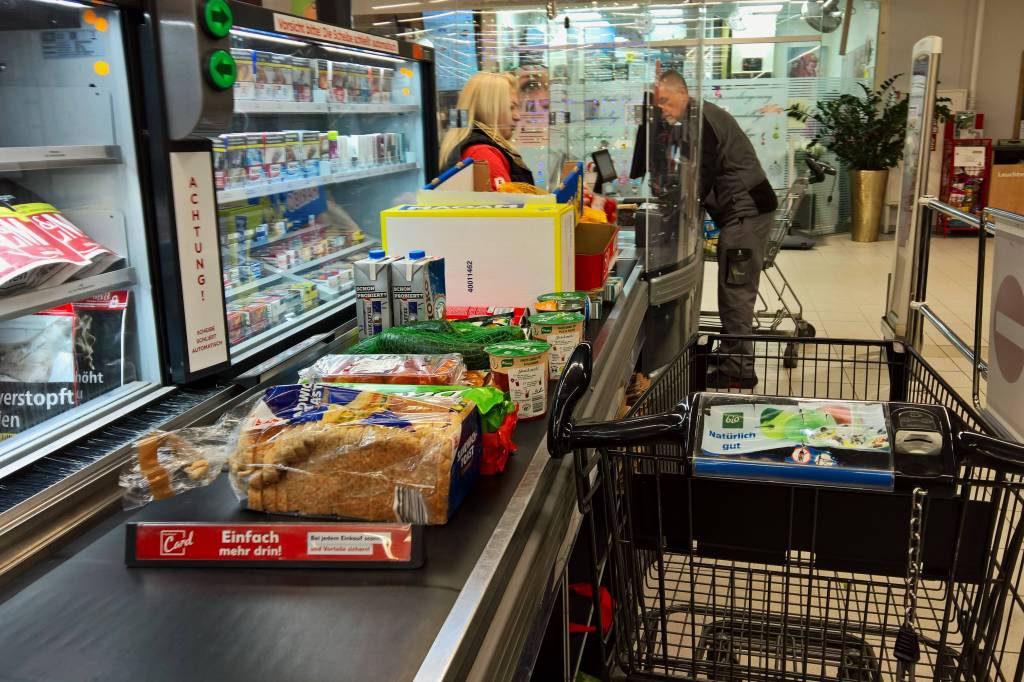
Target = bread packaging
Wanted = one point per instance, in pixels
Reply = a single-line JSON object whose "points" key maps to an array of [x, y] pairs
{"points": [[315, 450]]}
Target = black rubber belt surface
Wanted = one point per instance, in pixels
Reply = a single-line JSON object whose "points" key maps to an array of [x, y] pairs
{"points": [[83, 615]]}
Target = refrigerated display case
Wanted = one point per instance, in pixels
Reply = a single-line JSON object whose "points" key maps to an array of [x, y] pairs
{"points": [[328, 129], [77, 323]]}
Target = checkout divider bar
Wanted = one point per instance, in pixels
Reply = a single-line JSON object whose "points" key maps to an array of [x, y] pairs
{"points": [[919, 306]]}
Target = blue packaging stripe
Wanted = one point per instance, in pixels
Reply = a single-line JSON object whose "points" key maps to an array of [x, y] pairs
{"points": [[828, 476]]}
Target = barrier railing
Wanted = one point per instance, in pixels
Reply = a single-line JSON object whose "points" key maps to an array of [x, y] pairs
{"points": [[919, 306]]}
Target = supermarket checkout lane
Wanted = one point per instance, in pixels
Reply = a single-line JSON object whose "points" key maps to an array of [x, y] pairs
{"points": [[116, 621]]}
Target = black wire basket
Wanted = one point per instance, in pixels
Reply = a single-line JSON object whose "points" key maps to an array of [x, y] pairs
{"points": [[727, 579]]}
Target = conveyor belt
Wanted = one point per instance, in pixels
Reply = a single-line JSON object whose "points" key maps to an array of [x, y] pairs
{"points": [[82, 615]]}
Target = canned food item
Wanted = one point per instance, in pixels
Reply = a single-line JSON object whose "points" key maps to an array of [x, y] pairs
{"points": [[521, 369], [568, 301], [563, 331]]}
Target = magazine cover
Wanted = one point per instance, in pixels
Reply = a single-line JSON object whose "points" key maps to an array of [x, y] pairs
{"points": [[817, 442]]}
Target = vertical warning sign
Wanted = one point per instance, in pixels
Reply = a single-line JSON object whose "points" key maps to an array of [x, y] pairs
{"points": [[198, 260], [1005, 394]]}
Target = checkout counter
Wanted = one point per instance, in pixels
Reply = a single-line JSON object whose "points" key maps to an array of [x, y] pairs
{"points": [[478, 609]]}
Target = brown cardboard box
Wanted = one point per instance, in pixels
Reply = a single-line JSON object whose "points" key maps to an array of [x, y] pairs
{"points": [[1006, 190]]}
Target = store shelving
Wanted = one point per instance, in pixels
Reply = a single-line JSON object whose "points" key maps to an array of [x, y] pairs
{"points": [[19, 305], [58, 156], [276, 275], [317, 262], [271, 107], [240, 350], [226, 196]]}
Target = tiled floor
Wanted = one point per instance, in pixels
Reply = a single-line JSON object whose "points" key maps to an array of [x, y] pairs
{"points": [[842, 286]]}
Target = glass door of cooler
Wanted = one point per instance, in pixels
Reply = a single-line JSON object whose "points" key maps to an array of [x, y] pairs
{"points": [[323, 138], [77, 330]]}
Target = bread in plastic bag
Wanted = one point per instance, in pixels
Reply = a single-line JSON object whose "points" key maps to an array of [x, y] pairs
{"points": [[324, 451], [445, 370]]}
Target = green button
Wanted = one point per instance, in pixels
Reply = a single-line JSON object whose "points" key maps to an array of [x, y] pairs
{"points": [[221, 69], [217, 18]]}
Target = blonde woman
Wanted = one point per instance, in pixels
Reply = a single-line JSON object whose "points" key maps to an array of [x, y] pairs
{"points": [[492, 102]]}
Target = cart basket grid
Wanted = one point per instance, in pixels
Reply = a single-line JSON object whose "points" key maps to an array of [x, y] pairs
{"points": [[723, 580]]}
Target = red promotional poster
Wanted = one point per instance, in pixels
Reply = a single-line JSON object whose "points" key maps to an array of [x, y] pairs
{"points": [[58, 229], [42, 223], [277, 545], [26, 256]]}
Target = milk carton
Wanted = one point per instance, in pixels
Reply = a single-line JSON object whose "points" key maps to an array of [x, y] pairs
{"points": [[417, 288], [373, 292]]}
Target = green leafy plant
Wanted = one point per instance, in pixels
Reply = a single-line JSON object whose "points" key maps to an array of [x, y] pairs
{"points": [[865, 132]]}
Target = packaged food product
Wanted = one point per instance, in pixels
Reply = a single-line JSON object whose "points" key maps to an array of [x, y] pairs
{"points": [[373, 293], [487, 315], [323, 451], [439, 336], [596, 303], [563, 331], [521, 368], [436, 370], [570, 301], [417, 288], [498, 415]]}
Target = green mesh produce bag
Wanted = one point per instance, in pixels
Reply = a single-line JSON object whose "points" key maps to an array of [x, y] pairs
{"points": [[439, 336]]}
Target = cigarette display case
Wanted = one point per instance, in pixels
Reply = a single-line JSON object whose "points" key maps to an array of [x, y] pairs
{"points": [[328, 128]]}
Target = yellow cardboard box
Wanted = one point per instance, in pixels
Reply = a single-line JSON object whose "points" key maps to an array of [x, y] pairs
{"points": [[495, 255]]}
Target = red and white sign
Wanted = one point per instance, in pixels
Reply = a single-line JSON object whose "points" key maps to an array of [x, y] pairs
{"points": [[272, 543], [296, 26], [202, 285], [1008, 329], [1005, 389]]}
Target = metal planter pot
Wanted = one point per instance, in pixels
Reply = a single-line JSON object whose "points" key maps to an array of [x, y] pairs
{"points": [[867, 199]]}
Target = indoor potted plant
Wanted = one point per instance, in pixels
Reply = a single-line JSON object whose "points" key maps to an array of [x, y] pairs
{"points": [[866, 133]]}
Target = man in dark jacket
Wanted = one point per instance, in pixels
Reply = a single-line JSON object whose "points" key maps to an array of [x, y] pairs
{"points": [[737, 195]]}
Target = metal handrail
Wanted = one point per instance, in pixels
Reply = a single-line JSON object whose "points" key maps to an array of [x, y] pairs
{"points": [[979, 367], [969, 218], [949, 334]]}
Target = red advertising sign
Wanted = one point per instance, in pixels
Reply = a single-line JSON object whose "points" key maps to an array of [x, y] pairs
{"points": [[363, 545]]}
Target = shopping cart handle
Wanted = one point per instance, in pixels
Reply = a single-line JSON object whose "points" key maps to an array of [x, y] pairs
{"points": [[564, 435], [979, 449], [572, 385]]}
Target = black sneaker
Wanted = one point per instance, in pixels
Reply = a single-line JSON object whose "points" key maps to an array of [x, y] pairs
{"points": [[718, 379]]}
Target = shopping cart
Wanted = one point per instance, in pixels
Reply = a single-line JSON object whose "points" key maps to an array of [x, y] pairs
{"points": [[769, 320], [731, 579]]}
